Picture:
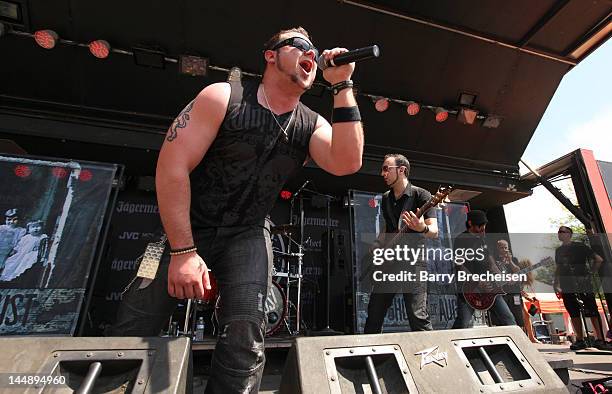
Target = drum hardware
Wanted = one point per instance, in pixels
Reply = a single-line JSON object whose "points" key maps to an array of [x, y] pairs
{"points": [[284, 229], [291, 272], [281, 253], [275, 309], [286, 275]]}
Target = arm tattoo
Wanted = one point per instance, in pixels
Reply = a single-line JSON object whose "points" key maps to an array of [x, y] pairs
{"points": [[180, 122]]}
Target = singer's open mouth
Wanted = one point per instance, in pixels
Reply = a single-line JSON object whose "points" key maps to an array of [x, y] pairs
{"points": [[306, 65]]}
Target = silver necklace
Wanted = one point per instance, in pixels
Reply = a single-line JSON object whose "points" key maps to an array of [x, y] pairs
{"points": [[283, 129]]}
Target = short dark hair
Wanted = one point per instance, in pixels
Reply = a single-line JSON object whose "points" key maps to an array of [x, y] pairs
{"points": [[275, 39], [567, 228], [400, 161]]}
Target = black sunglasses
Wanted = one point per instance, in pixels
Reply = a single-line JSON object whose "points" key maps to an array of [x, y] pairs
{"points": [[299, 43]]}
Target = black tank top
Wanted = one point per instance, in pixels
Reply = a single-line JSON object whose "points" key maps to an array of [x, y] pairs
{"points": [[240, 177]]}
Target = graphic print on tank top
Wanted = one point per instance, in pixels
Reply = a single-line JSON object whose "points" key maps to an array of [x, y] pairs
{"points": [[244, 170]]}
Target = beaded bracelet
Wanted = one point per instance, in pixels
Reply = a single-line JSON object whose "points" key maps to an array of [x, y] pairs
{"points": [[177, 252]]}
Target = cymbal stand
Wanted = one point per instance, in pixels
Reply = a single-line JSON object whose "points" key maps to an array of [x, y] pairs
{"points": [[300, 260]]}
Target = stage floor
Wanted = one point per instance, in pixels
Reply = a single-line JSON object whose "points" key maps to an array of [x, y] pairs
{"points": [[588, 364]]}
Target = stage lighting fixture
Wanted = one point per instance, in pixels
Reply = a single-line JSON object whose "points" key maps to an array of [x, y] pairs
{"points": [[467, 99], [46, 38], [10, 11], [149, 58], [14, 14], [99, 48], [492, 121], [235, 75], [441, 114], [285, 194], [193, 65], [467, 115], [413, 108], [381, 104]]}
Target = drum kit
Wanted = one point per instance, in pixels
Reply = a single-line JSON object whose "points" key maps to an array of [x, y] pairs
{"points": [[286, 274]]}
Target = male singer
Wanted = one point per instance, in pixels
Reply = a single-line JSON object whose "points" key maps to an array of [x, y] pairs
{"points": [[220, 170]]}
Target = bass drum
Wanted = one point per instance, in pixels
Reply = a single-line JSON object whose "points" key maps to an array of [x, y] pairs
{"points": [[275, 308]]}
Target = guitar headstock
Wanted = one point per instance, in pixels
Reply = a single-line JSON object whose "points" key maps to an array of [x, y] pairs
{"points": [[441, 194]]}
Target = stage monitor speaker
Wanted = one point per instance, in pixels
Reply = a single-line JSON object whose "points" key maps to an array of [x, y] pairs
{"points": [[480, 360], [100, 365]]}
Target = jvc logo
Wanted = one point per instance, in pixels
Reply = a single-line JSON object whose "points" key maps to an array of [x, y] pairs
{"points": [[130, 235], [114, 296]]}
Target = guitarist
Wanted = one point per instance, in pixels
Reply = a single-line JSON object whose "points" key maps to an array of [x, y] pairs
{"points": [[474, 238], [398, 206], [507, 263]]}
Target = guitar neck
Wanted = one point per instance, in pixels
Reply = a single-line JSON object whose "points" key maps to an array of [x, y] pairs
{"points": [[535, 266]]}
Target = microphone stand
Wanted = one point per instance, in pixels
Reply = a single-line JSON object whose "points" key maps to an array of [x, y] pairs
{"points": [[327, 330]]}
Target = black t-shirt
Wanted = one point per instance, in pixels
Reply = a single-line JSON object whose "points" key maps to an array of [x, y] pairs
{"points": [[413, 197], [240, 177], [572, 260], [479, 262]]}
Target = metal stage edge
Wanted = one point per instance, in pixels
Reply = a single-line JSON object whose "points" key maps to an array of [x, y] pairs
{"points": [[274, 342]]}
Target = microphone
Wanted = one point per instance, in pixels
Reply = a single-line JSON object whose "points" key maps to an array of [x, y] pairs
{"points": [[355, 55], [300, 189]]}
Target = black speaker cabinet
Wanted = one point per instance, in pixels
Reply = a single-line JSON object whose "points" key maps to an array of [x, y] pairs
{"points": [[46, 365], [481, 360]]}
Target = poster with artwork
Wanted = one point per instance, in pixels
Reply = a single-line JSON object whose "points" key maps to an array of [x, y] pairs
{"points": [[51, 215]]}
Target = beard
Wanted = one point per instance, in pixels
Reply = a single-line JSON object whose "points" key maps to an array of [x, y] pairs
{"points": [[292, 74]]}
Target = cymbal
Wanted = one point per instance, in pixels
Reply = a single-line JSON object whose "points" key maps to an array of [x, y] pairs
{"points": [[284, 229]]}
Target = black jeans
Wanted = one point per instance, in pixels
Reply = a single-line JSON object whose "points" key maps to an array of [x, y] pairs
{"points": [[416, 308], [240, 258], [415, 300], [465, 313]]}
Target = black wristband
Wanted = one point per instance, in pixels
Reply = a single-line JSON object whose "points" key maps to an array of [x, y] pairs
{"points": [[346, 114], [336, 88], [425, 230]]}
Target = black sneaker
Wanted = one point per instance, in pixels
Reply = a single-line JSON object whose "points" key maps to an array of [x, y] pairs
{"points": [[601, 345], [578, 345]]}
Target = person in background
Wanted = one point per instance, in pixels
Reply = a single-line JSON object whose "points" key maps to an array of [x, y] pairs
{"points": [[474, 238], [10, 234], [573, 280]]}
